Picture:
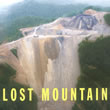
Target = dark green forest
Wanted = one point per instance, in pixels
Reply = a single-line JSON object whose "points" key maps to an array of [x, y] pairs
{"points": [[107, 19], [95, 72]]}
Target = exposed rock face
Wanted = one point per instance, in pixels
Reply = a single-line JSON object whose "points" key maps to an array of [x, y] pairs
{"points": [[83, 21], [49, 62], [48, 56]]}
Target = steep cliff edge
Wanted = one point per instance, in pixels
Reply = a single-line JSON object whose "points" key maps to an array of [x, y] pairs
{"points": [[48, 55]]}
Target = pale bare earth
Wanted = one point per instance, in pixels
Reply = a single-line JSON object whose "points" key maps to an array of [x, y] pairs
{"points": [[48, 56]]}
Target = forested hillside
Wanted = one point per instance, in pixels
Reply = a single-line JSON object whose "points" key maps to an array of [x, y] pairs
{"points": [[31, 13]]}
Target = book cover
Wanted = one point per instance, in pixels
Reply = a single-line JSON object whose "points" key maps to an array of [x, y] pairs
{"points": [[54, 55]]}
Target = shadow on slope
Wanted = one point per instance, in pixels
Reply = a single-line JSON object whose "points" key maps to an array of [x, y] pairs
{"points": [[7, 74]]}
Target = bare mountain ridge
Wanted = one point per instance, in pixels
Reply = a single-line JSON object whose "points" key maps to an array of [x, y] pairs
{"points": [[48, 54], [89, 22]]}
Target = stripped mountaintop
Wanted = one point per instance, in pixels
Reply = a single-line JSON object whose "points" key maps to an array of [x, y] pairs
{"points": [[89, 23]]}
